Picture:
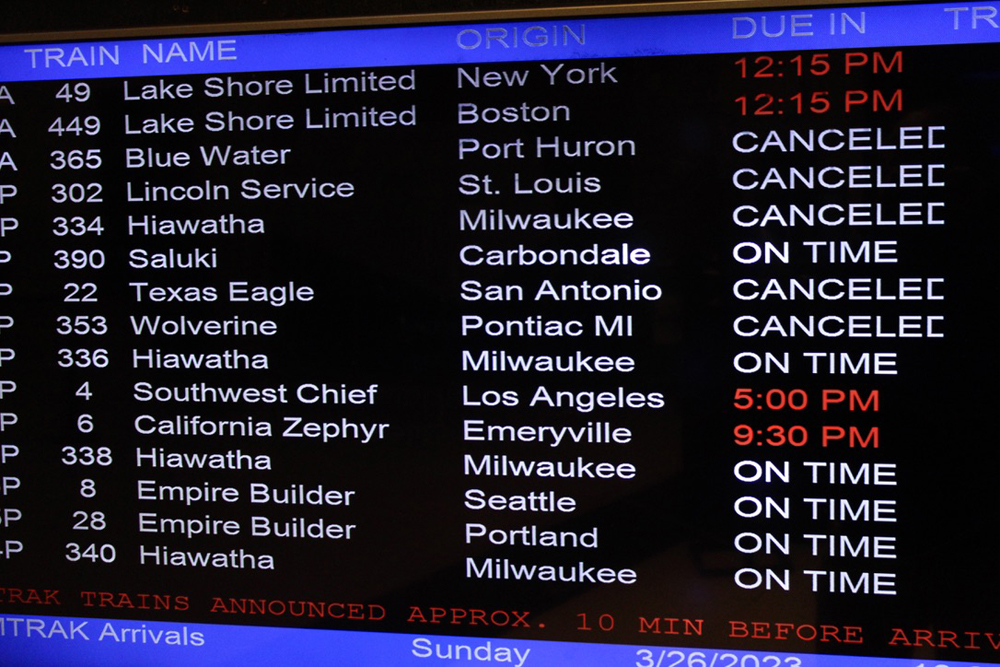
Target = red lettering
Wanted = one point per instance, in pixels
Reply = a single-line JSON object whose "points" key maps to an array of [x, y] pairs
{"points": [[847, 634]]}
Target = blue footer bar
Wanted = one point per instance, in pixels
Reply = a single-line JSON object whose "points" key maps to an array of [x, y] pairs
{"points": [[50, 640]]}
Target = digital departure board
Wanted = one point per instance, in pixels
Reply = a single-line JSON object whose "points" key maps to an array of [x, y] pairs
{"points": [[629, 339]]}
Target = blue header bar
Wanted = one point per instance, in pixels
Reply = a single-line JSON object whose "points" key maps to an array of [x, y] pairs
{"points": [[554, 39]]}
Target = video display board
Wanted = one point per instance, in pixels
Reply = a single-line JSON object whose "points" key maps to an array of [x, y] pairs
{"points": [[567, 340]]}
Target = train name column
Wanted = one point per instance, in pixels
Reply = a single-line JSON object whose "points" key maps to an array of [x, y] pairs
{"points": [[219, 181]]}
